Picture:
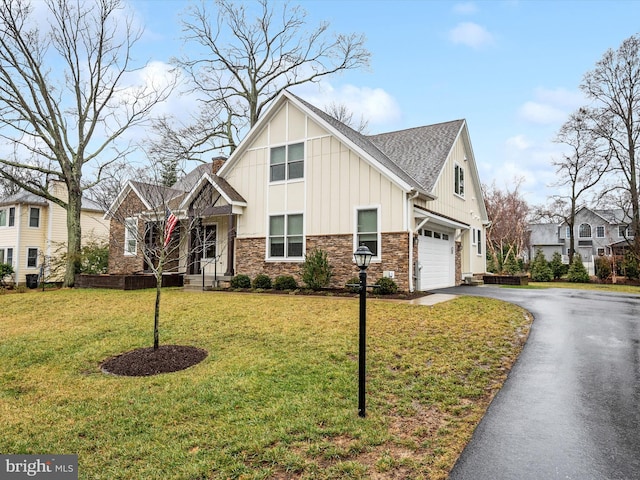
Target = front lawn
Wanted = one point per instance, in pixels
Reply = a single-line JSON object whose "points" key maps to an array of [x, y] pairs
{"points": [[606, 287], [276, 396]]}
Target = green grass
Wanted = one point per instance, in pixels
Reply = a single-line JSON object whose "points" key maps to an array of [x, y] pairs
{"points": [[275, 398], [582, 286]]}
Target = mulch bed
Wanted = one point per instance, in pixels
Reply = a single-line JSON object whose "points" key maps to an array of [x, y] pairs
{"points": [[144, 362]]}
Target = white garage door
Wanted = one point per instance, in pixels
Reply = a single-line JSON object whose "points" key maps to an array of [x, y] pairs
{"points": [[435, 254]]}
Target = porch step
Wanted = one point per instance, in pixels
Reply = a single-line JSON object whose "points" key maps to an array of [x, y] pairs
{"points": [[473, 281], [195, 282]]}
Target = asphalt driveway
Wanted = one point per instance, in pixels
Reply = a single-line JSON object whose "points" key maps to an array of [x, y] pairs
{"points": [[570, 408]]}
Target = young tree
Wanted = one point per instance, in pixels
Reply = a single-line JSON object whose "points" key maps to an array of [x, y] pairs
{"points": [[64, 98], [558, 268], [577, 272], [240, 60], [508, 211], [540, 270], [614, 87], [581, 168]]}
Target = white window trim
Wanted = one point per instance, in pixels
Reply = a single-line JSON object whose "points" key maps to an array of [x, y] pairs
{"points": [[286, 164], [13, 259], [567, 232], [377, 208], [590, 230], [604, 231], [39, 217], [204, 246], [455, 179], [271, 259], [127, 253], [478, 243], [26, 262]]}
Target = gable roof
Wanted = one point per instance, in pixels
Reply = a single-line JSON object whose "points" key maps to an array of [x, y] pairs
{"points": [[23, 197], [421, 151]]}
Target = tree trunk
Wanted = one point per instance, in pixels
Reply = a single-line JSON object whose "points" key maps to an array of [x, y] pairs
{"points": [[156, 312], [74, 241]]}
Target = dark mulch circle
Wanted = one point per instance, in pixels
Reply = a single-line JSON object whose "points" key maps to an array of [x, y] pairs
{"points": [[144, 362]]}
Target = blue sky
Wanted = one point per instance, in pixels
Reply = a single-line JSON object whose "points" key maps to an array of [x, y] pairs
{"points": [[512, 69]]}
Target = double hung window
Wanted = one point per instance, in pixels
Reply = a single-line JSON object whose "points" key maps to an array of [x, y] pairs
{"points": [[459, 180], [131, 236], [32, 257], [34, 217], [286, 236], [287, 162], [367, 230]]}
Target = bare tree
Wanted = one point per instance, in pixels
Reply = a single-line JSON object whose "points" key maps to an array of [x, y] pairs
{"points": [[580, 169], [614, 87], [508, 212], [64, 102], [246, 63], [341, 112]]}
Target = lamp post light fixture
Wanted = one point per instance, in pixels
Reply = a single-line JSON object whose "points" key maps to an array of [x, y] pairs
{"points": [[362, 257]]}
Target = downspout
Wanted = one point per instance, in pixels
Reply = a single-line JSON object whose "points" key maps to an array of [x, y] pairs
{"points": [[411, 233]]}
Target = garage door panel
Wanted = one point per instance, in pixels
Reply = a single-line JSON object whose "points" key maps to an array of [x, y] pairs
{"points": [[435, 254]]}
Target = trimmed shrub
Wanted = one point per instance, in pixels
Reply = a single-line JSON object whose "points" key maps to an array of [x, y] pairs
{"points": [[577, 272], [241, 281], [540, 270], [285, 282], [557, 267], [385, 286], [316, 270], [262, 281], [6, 270], [603, 268]]}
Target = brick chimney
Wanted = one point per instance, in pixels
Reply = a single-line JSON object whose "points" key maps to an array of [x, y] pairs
{"points": [[217, 164]]}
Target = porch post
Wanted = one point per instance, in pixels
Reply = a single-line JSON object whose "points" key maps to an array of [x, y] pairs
{"points": [[231, 236]]}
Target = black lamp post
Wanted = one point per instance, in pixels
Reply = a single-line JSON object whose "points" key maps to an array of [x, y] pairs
{"points": [[362, 257]]}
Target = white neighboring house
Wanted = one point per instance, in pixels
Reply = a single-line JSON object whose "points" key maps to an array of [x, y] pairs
{"points": [[33, 229]]}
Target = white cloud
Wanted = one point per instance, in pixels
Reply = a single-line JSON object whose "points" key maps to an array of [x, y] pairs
{"points": [[550, 106], [541, 113], [466, 8], [374, 105], [471, 34], [519, 142]]}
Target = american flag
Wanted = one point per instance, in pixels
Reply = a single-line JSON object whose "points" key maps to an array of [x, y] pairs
{"points": [[169, 226]]}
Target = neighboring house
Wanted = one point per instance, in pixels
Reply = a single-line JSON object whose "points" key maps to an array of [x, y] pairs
{"points": [[33, 229], [596, 233], [302, 180]]}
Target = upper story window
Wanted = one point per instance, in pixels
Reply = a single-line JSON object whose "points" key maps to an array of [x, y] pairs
{"points": [[459, 180], [624, 231], [600, 231], [287, 162], [12, 216], [367, 230], [3, 218], [286, 237], [584, 231], [34, 217], [130, 236]]}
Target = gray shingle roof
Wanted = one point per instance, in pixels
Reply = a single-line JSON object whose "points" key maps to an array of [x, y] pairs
{"points": [[26, 198], [421, 151], [415, 155]]}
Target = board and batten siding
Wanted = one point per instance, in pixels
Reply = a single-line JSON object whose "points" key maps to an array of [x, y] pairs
{"points": [[336, 181]]}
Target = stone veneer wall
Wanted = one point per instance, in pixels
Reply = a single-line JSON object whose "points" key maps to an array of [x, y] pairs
{"points": [[395, 253], [120, 263]]}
